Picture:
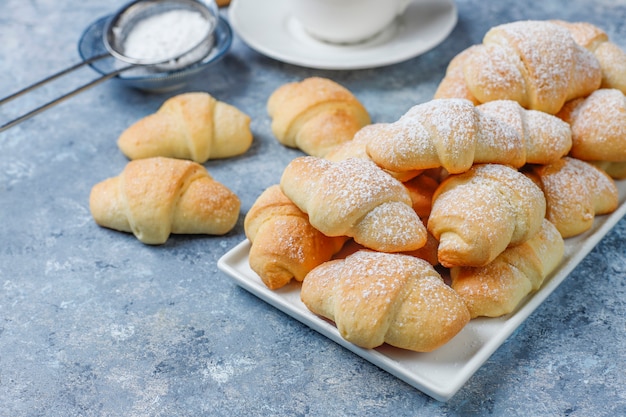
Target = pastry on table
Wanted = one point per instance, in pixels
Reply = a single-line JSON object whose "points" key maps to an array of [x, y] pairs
{"points": [[192, 126], [315, 115], [154, 197], [377, 298]]}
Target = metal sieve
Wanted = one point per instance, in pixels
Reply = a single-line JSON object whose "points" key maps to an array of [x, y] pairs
{"points": [[117, 29]]}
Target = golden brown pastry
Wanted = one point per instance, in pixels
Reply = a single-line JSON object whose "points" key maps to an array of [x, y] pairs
{"points": [[315, 115], [453, 84], [191, 126], [598, 124], [478, 214], [154, 197], [547, 138], [497, 288], [455, 134], [428, 252], [357, 148], [377, 298], [354, 198], [284, 244], [421, 189], [536, 63], [611, 57], [575, 193], [616, 170]]}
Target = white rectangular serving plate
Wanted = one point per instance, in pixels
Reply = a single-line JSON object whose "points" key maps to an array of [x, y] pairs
{"points": [[439, 374]]}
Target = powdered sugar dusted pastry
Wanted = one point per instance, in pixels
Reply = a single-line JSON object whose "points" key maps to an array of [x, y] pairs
{"points": [[575, 193], [455, 134], [357, 148], [478, 214], [611, 57], [453, 84], [421, 189], [498, 287], [546, 137], [598, 124], [354, 198], [536, 63], [377, 298]]}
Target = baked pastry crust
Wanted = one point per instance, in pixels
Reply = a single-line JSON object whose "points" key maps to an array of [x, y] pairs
{"points": [[315, 115], [192, 126], [154, 197], [377, 298]]}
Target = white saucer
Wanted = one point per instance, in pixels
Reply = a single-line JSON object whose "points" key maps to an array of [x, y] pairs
{"points": [[269, 28]]}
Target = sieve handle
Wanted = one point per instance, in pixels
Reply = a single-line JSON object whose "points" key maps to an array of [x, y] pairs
{"points": [[58, 100], [52, 78]]}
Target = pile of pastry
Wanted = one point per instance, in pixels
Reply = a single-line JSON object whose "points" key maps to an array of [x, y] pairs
{"points": [[402, 232], [164, 188]]}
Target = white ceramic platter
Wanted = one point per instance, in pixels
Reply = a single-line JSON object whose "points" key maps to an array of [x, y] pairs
{"points": [[443, 372], [269, 28]]}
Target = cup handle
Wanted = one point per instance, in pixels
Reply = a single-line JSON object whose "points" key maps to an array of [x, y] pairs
{"points": [[402, 5]]}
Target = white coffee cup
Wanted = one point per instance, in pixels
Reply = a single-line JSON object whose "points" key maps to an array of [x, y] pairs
{"points": [[346, 21]]}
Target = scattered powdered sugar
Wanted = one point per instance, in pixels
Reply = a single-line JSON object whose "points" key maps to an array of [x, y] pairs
{"points": [[536, 63], [599, 126], [545, 138], [440, 132], [353, 187], [574, 186], [547, 53], [478, 214]]}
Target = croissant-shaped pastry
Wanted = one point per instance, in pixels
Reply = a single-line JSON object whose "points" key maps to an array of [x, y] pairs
{"points": [[536, 63], [357, 148], [421, 189], [453, 84], [454, 134], [611, 57], [546, 137], [154, 197], [284, 244], [616, 170], [598, 124], [354, 198], [575, 193], [377, 298], [315, 115], [192, 126], [497, 288], [478, 214]]}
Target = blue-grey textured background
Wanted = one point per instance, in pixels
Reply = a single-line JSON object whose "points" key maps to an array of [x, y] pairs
{"points": [[94, 323]]}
